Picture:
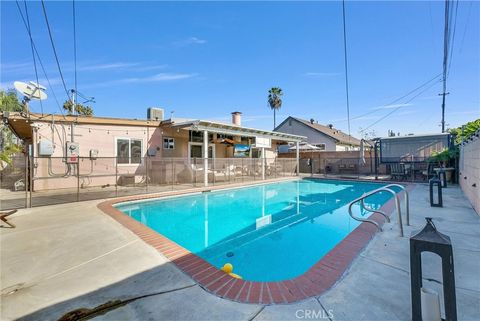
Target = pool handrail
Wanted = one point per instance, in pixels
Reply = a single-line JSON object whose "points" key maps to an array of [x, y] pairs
{"points": [[407, 200], [386, 188]]}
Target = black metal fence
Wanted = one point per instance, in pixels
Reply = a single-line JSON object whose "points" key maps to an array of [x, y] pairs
{"points": [[408, 170]]}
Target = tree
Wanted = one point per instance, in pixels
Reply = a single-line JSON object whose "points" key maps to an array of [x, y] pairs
{"points": [[468, 129], [80, 109], [8, 144], [275, 101], [9, 101]]}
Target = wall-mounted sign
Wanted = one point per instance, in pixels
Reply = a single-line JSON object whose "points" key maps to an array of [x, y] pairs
{"points": [[263, 142]]}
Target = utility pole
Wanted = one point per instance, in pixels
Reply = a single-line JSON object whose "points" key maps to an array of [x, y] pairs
{"points": [[73, 112], [445, 62], [443, 104]]}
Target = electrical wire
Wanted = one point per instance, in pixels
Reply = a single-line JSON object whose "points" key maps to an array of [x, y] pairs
{"points": [[33, 52], [400, 98], [346, 67], [397, 108], [53, 47], [452, 40], [40, 60]]}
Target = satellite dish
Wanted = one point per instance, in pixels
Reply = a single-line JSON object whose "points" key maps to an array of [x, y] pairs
{"points": [[30, 91]]}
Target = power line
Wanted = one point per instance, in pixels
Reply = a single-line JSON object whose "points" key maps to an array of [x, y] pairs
{"points": [[54, 49], [453, 39], [400, 98], [394, 110], [39, 59], [346, 66], [31, 46], [466, 26]]}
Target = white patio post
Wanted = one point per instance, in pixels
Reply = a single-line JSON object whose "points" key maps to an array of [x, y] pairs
{"points": [[263, 163], [298, 157], [205, 158]]}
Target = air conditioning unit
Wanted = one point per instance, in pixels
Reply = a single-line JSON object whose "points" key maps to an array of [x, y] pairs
{"points": [[155, 113]]}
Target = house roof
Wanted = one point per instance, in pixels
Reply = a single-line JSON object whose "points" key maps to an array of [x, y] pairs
{"points": [[334, 133], [436, 135], [231, 129], [20, 123]]}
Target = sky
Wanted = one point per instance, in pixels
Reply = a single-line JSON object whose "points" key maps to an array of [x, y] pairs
{"points": [[204, 60]]}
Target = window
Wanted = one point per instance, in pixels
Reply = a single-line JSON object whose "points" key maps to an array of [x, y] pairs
{"points": [[129, 151], [321, 146], [168, 143], [197, 136]]}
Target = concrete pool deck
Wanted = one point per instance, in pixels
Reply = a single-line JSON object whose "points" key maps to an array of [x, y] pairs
{"points": [[71, 256]]}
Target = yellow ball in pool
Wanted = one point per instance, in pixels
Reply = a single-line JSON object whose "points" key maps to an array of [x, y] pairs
{"points": [[227, 268]]}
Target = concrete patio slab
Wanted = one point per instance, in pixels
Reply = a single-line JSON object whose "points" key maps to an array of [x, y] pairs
{"points": [[307, 309], [187, 304], [66, 257]]}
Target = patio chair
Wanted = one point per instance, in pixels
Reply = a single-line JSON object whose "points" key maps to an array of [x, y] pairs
{"points": [[398, 171], [429, 172]]}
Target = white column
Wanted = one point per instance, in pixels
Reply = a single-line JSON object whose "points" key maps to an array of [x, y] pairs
{"points": [[298, 157], [205, 158], [263, 163], [205, 209]]}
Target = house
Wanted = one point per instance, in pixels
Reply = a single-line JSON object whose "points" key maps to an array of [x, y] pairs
{"points": [[326, 138], [120, 151]]}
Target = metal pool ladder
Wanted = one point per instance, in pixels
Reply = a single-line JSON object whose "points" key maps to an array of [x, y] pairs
{"points": [[387, 188]]}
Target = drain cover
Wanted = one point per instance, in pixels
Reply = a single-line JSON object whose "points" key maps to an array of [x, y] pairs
{"points": [[230, 254]]}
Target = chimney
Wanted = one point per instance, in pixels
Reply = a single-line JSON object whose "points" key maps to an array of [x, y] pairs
{"points": [[237, 118]]}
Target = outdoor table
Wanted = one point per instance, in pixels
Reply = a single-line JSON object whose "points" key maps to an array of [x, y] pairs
{"points": [[443, 178]]}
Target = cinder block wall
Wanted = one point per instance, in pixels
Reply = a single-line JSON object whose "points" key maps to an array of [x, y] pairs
{"points": [[470, 172]]}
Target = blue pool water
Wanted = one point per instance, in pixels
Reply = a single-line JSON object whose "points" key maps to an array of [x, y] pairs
{"points": [[308, 218]]}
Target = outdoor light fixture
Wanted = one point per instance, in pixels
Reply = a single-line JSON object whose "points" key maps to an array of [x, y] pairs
{"points": [[430, 240], [436, 183]]}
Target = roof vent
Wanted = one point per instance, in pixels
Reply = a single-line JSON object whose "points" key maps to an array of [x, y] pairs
{"points": [[312, 120], [155, 113], [330, 126]]}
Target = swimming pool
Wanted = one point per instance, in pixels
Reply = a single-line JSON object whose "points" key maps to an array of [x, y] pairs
{"points": [[269, 232]]}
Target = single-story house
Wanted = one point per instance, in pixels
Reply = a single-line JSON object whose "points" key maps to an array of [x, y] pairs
{"points": [[324, 137], [102, 146]]}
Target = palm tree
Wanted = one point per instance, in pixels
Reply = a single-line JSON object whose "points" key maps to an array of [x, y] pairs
{"points": [[275, 101]]}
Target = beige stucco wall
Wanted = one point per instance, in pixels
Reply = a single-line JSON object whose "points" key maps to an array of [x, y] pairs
{"points": [[54, 173], [470, 172]]}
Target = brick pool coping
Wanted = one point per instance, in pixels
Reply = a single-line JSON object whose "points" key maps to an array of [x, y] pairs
{"points": [[318, 279]]}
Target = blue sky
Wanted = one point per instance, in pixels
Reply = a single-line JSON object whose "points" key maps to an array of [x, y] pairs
{"points": [[207, 59]]}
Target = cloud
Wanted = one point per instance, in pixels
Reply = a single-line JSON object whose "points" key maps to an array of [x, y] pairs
{"points": [[107, 66], [466, 112], [160, 77], [321, 74], [392, 106], [189, 41], [42, 81]]}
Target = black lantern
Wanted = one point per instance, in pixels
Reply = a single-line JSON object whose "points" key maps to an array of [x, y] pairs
{"points": [[435, 183], [430, 240]]}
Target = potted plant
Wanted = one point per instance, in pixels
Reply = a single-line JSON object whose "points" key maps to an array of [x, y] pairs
{"points": [[445, 157]]}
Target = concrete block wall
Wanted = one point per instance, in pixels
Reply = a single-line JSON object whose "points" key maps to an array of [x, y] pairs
{"points": [[470, 172]]}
